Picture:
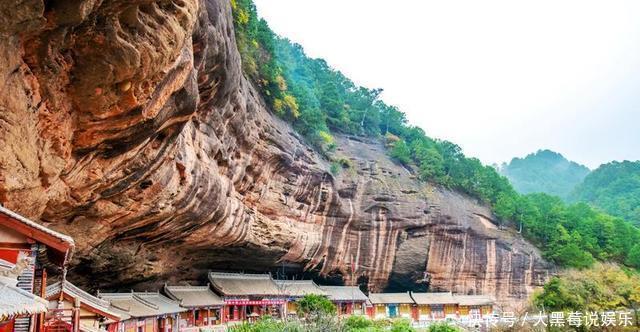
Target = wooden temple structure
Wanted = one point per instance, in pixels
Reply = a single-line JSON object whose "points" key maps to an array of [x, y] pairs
{"points": [[204, 307], [349, 300], [248, 296], [78, 310], [391, 305], [28, 251], [294, 290], [143, 312], [424, 307]]}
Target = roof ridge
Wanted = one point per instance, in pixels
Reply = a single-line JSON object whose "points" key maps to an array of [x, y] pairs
{"points": [[296, 281], [243, 275], [85, 295], [145, 301], [187, 287], [34, 224]]}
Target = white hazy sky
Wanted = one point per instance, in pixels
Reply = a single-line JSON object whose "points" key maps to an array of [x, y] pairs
{"points": [[499, 78]]}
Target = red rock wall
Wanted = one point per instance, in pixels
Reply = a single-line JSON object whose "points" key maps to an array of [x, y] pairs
{"points": [[129, 125]]}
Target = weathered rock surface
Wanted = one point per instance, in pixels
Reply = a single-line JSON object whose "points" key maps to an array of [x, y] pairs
{"points": [[129, 125]]}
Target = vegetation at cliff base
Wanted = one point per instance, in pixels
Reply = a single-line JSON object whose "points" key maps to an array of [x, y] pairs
{"points": [[544, 172], [317, 314], [315, 305], [320, 102], [602, 288], [613, 188]]}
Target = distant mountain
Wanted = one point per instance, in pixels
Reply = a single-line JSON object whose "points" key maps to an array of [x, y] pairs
{"points": [[614, 188], [544, 171]]}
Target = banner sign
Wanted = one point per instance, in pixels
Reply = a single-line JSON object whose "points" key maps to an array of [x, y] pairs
{"points": [[254, 302]]}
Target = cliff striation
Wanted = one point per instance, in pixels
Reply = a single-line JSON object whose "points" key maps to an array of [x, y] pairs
{"points": [[129, 126]]}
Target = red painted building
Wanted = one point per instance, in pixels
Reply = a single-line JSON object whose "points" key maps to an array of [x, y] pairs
{"points": [[32, 250], [248, 296], [349, 300], [204, 307], [74, 309], [143, 312], [294, 290], [15, 302]]}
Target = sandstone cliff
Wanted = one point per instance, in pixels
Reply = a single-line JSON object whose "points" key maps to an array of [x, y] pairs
{"points": [[129, 125]]}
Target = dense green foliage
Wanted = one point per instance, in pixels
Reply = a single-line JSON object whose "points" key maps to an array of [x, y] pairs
{"points": [[319, 101], [325, 323], [312, 304], [317, 312], [544, 172], [614, 188], [358, 323], [363, 324], [442, 327], [322, 101], [268, 324], [570, 235], [601, 288]]}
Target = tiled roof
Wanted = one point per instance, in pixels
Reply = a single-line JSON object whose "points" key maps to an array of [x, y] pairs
{"points": [[344, 293], [85, 298], [474, 299], [299, 288], [433, 298], [390, 298], [6, 266], [165, 305], [17, 302], [51, 238], [141, 304], [230, 284], [193, 296]]}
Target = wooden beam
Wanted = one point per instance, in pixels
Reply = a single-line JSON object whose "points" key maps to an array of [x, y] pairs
{"points": [[17, 246], [36, 234]]}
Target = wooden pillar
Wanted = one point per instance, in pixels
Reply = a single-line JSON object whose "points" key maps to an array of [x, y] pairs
{"points": [[76, 315], [43, 292], [208, 322]]}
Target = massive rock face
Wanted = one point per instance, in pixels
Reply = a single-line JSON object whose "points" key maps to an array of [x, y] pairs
{"points": [[129, 125]]}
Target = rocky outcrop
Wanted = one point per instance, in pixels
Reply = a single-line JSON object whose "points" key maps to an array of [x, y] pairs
{"points": [[129, 125]]}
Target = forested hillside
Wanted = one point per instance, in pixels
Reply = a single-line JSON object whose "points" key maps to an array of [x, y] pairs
{"points": [[613, 188], [320, 101], [604, 287], [544, 172]]}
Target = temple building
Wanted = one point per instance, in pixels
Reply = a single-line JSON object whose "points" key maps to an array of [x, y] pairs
{"points": [[437, 306], [474, 306], [248, 296], [295, 290], [204, 307], [434, 306], [143, 312], [28, 251], [349, 300], [16, 302], [71, 308], [391, 305]]}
